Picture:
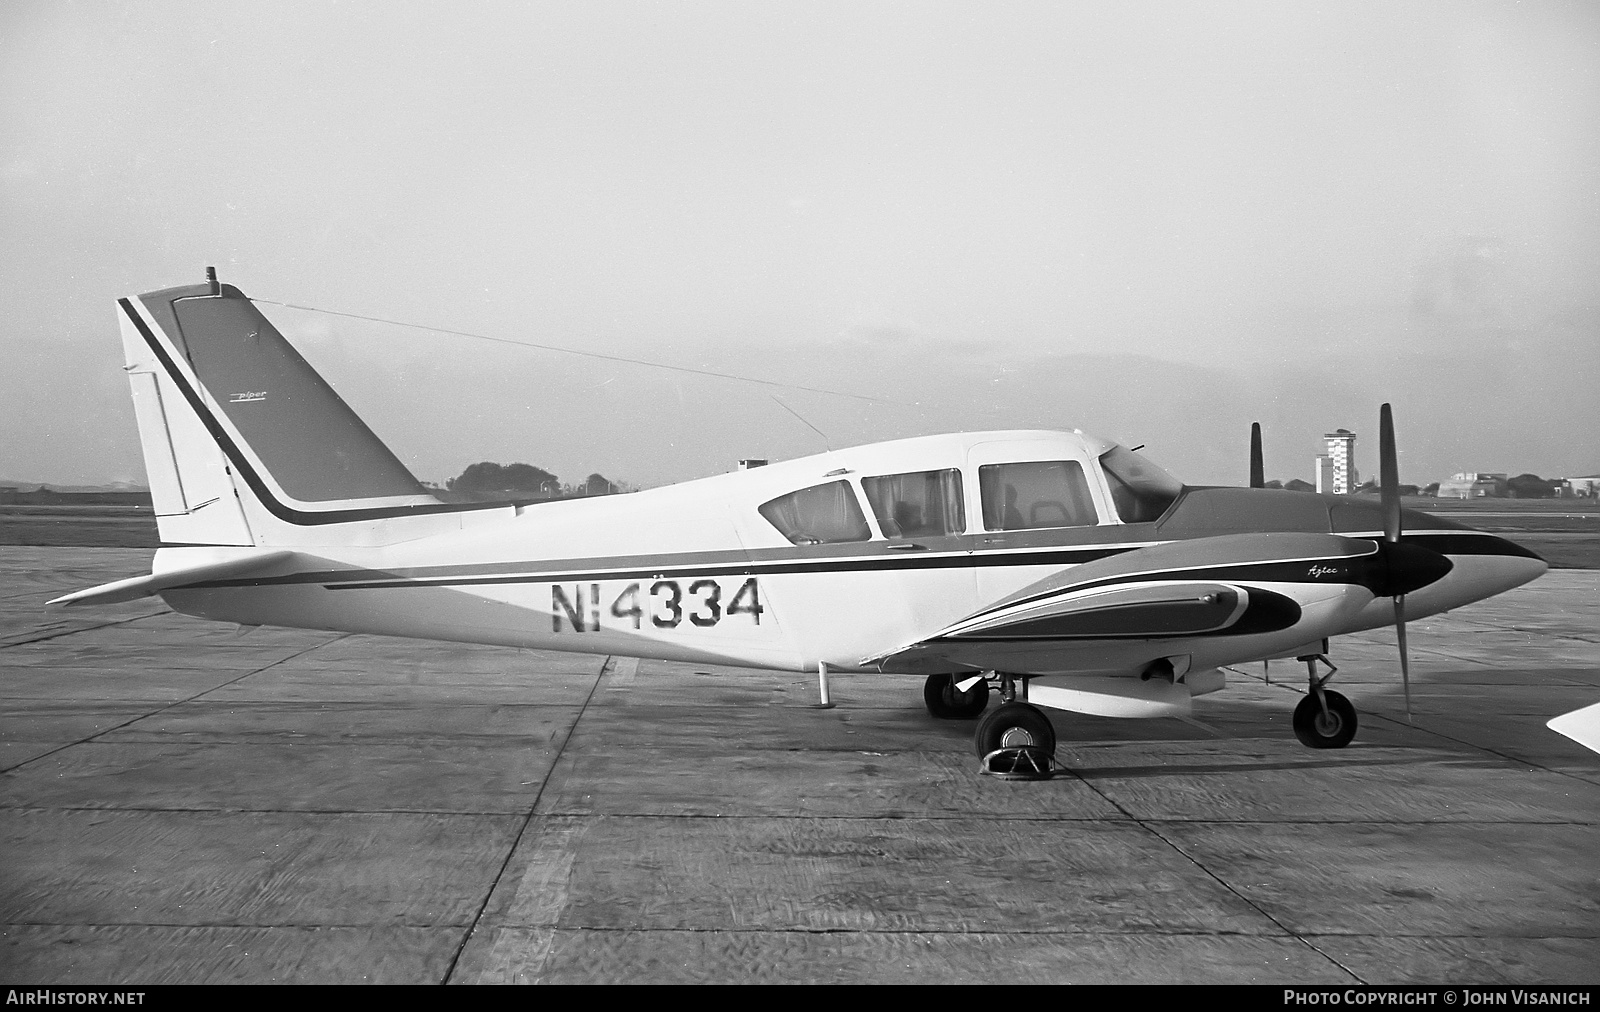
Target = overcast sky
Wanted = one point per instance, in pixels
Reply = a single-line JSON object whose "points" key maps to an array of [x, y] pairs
{"points": [[1184, 215]]}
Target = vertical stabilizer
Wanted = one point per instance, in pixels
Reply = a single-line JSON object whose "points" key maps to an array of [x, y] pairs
{"points": [[244, 443]]}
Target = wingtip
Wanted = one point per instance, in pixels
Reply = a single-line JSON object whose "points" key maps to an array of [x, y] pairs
{"points": [[1581, 725]]}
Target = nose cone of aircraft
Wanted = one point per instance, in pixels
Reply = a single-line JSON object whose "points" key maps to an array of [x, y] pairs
{"points": [[1480, 564], [1498, 565]]}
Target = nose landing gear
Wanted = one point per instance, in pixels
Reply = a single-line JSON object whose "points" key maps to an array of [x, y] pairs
{"points": [[1324, 718]]}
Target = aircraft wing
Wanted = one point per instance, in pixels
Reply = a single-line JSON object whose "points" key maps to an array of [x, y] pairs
{"points": [[1199, 587], [145, 586], [1582, 726]]}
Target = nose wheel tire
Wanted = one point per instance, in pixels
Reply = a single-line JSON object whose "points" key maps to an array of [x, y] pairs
{"points": [[1015, 725], [947, 703], [1332, 729]]}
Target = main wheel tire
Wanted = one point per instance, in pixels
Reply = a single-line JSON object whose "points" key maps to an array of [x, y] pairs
{"points": [[947, 703], [1331, 730], [1012, 725]]}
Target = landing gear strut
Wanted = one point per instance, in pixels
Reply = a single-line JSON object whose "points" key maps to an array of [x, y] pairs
{"points": [[1324, 718], [947, 702]]}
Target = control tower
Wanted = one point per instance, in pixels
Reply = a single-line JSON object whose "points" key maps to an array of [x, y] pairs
{"points": [[1342, 458]]}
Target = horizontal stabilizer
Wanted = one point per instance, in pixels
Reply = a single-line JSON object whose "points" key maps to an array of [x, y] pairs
{"points": [[1582, 726], [144, 586]]}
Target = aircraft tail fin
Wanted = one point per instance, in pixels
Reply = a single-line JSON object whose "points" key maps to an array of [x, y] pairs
{"points": [[244, 443]]}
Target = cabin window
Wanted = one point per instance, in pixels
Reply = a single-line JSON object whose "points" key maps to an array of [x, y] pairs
{"points": [[1140, 490], [1035, 494], [922, 504], [819, 515]]}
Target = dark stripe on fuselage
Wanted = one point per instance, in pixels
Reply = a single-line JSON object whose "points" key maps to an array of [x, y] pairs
{"points": [[707, 564], [777, 562], [1458, 543]]}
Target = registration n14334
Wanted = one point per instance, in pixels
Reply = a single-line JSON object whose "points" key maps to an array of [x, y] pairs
{"points": [[664, 604]]}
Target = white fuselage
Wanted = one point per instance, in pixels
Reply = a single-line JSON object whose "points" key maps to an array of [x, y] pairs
{"points": [[696, 572]]}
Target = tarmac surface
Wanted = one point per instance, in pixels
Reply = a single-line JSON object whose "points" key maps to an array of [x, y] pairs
{"points": [[181, 803]]}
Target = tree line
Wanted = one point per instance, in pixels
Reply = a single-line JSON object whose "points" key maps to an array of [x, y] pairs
{"points": [[519, 480], [1523, 486]]}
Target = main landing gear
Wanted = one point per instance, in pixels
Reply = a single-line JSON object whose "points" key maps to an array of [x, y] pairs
{"points": [[1324, 718], [1015, 726], [1014, 741]]}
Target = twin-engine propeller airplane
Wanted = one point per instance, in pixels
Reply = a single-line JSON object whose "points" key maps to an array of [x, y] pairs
{"points": [[1064, 570]]}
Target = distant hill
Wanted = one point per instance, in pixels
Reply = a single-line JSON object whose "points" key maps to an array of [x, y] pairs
{"points": [[23, 496], [120, 487]]}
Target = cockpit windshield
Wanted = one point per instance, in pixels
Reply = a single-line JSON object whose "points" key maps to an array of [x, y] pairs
{"points": [[1141, 490]]}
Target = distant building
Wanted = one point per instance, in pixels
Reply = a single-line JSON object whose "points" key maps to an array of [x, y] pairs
{"points": [[1473, 485], [1323, 468], [1342, 457], [1587, 485]]}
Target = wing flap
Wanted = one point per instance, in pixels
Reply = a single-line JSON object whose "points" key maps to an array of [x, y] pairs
{"points": [[145, 586]]}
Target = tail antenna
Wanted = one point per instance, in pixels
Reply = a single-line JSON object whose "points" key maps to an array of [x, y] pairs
{"points": [[211, 279], [1258, 470]]}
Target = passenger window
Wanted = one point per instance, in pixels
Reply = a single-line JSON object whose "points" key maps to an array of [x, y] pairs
{"points": [[1034, 495], [819, 515], [922, 504]]}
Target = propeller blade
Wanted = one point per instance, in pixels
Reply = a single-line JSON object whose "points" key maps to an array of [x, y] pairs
{"points": [[1388, 475], [1389, 486], [1258, 469], [1405, 662]]}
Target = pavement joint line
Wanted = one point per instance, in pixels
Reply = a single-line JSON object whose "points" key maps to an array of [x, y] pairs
{"points": [[1517, 760], [527, 820], [323, 812], [1227, 886], [933, 819], [91, 628], [793, 930], [1024, 932], [1403, 724], [176, 702]]}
